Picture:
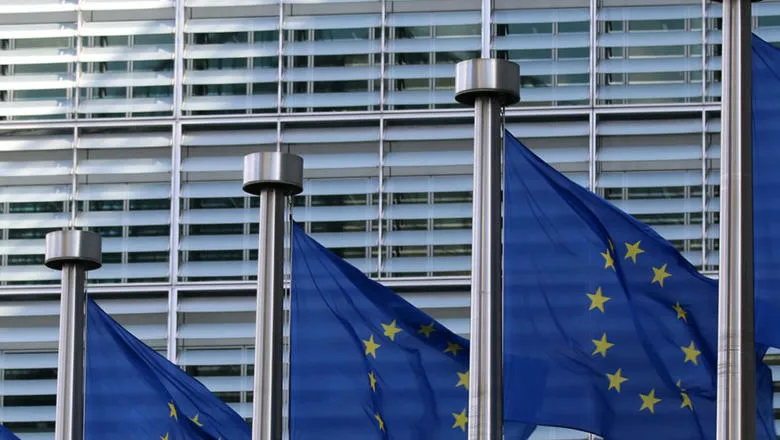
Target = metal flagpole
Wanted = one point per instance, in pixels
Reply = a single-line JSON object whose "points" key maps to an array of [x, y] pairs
{"points": [[272, 176], [488, 84], [72, 252], [736, 405]]}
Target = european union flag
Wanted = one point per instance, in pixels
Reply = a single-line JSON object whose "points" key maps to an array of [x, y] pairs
{"points": [[766, 182], [366, 364], [5, 434], [134, 392], [608, 328]]}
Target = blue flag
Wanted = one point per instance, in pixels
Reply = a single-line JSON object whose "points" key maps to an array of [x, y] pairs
{"points": [[134, 392], [766, 182], [608, 328], [366, 364], [5, 434]]}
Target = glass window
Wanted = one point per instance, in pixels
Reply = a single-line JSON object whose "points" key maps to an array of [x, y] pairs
{"points": [[452, 223], [409, 251], [452, 197], [575, 26], [657, 193], [462, 30], [661, 219], [25, 260], [107, 231], [147, 257], [29, 234], [149, 204], [153, 66], [220, 38], [34, 207], [455, 250], [342, 34], [213, 370], [344, 226], [525, 28], [148, 231], [407, 198], [352, 252], [223, 229], [656, 25], [112, 258], [412, 32], [216, 255], [29, 373], [217, 203], [106, 205], [409, 225], [339, 200]]}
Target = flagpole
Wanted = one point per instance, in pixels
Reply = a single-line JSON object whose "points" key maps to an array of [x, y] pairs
{"points": [[272, 176], [736, 404], [72, 252], [488, 84]]}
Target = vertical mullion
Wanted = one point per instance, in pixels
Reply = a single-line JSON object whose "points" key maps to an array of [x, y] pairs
{"points": [[178, 63], [593, 54]]}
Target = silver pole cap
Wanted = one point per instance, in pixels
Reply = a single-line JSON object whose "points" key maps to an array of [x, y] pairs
{"points": [[487, 77], [73, 247], [273, 170]]}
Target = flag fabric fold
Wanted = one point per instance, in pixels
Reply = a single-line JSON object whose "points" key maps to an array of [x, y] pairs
{"points": [[766, 181], [366, 364], [608, 329], [134, 392], [5, 434]]}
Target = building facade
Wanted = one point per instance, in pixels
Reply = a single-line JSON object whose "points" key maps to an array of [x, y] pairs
{"points": [[131, 118]]}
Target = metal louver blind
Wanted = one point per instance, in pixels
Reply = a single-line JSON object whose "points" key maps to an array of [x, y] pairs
{"points": [[35, 176], [231, 58], [127, 59], [218, 223], [652, 169], [650, 54], [123, 192], [422, 50], [552, 46]]}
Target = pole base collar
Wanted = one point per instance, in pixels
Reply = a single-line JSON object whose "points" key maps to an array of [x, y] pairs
{"points": [[491, 77], [73, 247], [268, 170]]}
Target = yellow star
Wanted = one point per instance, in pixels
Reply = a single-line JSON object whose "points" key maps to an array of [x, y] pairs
{"points": [[615, 380], [460, 420], [660, 274], [648, 401], [608, 261], [602, 345], [453, 348], [597, 300], [681, 313], [173, 414], [686, 400], [691, 354], [632, 250], [463, 379], [371, 346], [164, 437], [427, 330], [372, 379], [196, 421], [391, 330], [381, 422]]}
